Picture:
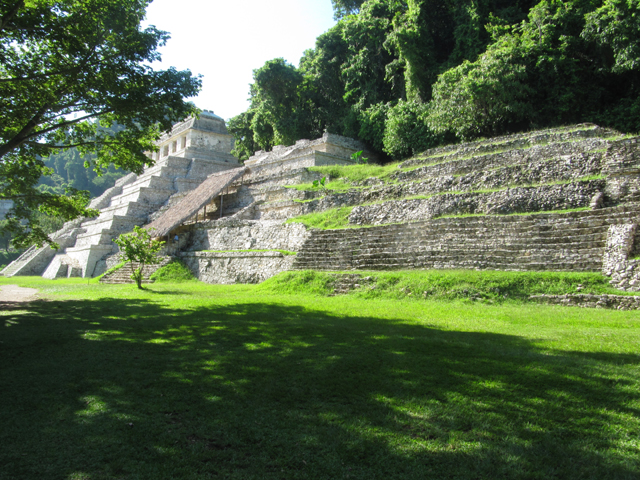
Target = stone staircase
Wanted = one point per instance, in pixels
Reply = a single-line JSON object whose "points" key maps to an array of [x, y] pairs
{"points": [[123, 274], [35, 259], [122, 207], [572, 241], [19, 262], [194, 149]]}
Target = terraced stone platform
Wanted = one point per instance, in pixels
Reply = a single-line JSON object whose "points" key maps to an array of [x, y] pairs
{"points": [[563, 199], [572, 241]]}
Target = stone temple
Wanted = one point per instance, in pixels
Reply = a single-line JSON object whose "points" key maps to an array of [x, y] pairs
{"points": [[563, 199]]}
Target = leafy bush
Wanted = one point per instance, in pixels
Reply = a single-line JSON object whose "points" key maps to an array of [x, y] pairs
{"points": [[406, 130], [175, 271]]}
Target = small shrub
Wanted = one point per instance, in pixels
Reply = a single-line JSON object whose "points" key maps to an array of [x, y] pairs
{"points": [[322, 183], [175, 271]]}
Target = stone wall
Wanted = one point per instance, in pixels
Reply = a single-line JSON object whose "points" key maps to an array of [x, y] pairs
{"points": [[615, 302], [616, 263], [515, 200], [248, 234], [293, 203], [236, 267]]}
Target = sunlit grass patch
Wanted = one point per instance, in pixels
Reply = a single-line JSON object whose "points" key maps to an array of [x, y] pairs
{"points": [[327, 219]]}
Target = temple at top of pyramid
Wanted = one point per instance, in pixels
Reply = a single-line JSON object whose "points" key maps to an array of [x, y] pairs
{"points": [[192, 168]]}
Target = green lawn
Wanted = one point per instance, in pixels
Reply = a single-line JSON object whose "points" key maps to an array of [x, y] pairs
{"points": [[192, 381]]}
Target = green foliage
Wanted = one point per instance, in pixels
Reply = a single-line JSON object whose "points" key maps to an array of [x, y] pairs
{"points": [[175, 271], [568, 62], [358, 158], [138, 247], [614, 28], [320, 183], [342, 8], [372, 125], [70, 169], [69, 71], [6, 257], [403, 76], [481, 98], [240, 127], [406, 130], [5, 235]]}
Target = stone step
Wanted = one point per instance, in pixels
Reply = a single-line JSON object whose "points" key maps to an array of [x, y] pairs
{"points": [[484, 162], [19, 262], [115, 223], [148, 180], [126, 209], [449, 263], [144, 195], [123, 274], [419, 238], [488, 223], [515, 142]]}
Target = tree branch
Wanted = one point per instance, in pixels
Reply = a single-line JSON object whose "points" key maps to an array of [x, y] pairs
{"points": [[37, 76], [23, 134], [64, 147], [65, 124]]}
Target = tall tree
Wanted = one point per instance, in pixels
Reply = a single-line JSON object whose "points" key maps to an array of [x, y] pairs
{"points": [[69, 70], [342, 8]]}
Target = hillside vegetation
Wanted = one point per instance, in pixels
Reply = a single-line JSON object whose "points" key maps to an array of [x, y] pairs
{"points": [[407, 75]]}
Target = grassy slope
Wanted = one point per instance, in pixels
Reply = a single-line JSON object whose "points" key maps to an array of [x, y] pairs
{"points": [[197, 381]]}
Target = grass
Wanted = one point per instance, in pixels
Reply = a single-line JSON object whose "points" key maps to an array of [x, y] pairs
{"points": [[488, 286], [338, 218], [186, 380], [356, 173], [332, 218]]}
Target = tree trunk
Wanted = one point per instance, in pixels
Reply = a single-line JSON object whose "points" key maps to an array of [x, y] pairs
{"points": [[140, 276]]}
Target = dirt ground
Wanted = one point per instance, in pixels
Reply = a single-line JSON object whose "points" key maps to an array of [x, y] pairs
{"points": [[12, 294]]}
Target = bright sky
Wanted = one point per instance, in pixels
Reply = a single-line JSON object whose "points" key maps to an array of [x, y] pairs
{"points": [[225, 40]]}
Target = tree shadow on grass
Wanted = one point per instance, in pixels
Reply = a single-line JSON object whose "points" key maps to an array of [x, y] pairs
{"points": [[129, 389]]}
